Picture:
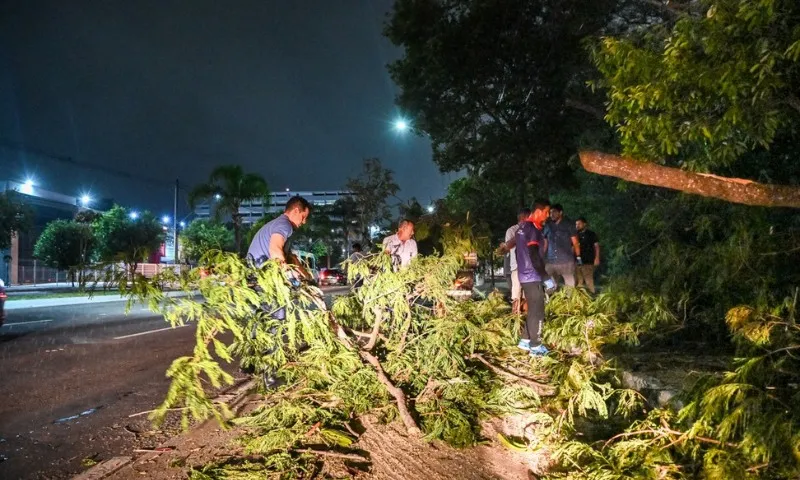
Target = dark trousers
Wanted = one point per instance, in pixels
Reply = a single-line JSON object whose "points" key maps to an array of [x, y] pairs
{"points": [[532, 329]]}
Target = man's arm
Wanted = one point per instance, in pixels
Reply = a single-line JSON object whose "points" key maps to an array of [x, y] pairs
{"points": [[413, 248], [276, 243], [596, 254], [576, 245]]}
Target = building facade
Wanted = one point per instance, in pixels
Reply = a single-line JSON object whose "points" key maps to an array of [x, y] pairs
{"points": [[17, 265], [254, 210]]}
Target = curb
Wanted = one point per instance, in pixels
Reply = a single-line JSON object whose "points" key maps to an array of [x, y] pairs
{"points": [[237, 392]]}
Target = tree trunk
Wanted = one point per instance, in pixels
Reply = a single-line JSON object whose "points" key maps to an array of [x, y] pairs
{"points": [[734, 190]]}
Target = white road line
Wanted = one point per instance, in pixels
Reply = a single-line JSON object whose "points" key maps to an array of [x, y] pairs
{"points": [[149, 331], [27, 323]]}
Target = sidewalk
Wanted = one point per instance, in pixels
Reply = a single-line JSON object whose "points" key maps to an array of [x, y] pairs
{"points": [[48, 287], [76, 300]]}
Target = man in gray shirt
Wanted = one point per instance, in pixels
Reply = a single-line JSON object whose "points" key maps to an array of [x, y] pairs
{"points": [[563, 249]]}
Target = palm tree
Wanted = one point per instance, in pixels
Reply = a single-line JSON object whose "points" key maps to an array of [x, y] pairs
{"points": [[228, 187]]}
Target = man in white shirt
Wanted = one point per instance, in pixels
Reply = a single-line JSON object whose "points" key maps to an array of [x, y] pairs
{"points": [[516, 287], [401, 246]]}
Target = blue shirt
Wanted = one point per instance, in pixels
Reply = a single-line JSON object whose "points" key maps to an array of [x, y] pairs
{"points": [[528, 235], [259, 247], [559, 241]]}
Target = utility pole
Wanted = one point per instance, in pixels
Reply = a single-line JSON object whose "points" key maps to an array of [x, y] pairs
{"points": [[175, 222]]}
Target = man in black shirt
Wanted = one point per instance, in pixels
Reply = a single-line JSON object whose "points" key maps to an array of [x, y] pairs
{"points": [[590, 255]]}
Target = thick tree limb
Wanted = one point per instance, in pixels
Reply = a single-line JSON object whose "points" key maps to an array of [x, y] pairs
{"points": [[734, 190], [540, 388], [584, 107], [376, 328], [397, 393]]}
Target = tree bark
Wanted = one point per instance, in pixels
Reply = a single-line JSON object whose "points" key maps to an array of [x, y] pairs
{"points": [[734, 190]]}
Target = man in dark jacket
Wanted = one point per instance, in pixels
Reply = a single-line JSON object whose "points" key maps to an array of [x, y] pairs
{"points": [[529, 243]]}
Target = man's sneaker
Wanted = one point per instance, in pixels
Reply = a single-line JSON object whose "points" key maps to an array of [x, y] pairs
{"points": [[524, 345], [539, 351]]}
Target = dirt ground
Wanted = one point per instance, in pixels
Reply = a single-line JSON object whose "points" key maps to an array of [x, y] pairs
{"points": [[392, 455]]}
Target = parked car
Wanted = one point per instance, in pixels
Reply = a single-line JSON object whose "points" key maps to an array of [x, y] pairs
{"points": [[3, 298], [332, 276]]}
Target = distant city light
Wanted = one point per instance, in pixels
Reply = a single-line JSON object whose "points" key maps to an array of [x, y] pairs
{"points": [[27, 187], [401, 125], [287, 189], [86, 200], [165, 219], [134, 215], [431, 208]]}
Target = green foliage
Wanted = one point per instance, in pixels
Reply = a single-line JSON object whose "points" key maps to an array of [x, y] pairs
{"points": [[66, 245], [14, 217], [121, 238], [227, 187], [202, 236], [498, 85], [704, 92]]}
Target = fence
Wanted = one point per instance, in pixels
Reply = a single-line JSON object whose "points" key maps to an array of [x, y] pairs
{"points": [[33, 272]]}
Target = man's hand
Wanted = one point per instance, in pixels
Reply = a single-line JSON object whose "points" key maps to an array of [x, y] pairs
{"points": [[596, 262]]}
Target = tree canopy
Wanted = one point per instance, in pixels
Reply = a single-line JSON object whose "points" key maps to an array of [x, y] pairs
{"points": [[499, 85], [202, 236], [371, 190], [125, 239], [716, 90], [14, 217], [227, 188], [66, 245]]}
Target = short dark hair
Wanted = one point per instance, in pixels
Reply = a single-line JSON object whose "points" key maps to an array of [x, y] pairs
{"points": [[524, 211], [540, 203], [582, 219], [297, 202], [357, 247], [558, 207]]}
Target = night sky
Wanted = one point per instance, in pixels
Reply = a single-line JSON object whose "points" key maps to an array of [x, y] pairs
{"points": [[295, 90]]}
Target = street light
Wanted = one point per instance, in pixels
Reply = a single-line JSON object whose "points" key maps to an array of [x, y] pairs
{"points": [[217, 196], [27, 187], [182, 224], [165, 219], [401, 125], [86, 200], [134, 215], [431, 208]]}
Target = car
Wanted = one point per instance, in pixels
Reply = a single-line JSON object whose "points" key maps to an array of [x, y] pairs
{"points": [[3, 298], [332, 276]]}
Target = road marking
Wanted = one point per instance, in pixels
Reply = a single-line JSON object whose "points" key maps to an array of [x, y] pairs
{"points": [[28, 323], [148, 332]]}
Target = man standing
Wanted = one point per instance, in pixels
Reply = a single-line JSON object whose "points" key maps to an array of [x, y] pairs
{"points": [[590, 254], [533, 277], [563, 249], [516, 288], [401, 246]]}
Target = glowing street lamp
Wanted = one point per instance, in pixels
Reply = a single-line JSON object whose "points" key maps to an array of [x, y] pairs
{"points": [[134, 215], [217, 197], [86, 200], [165, 219], [431, 208], [27, 187], [182, 224], [401, 125]]}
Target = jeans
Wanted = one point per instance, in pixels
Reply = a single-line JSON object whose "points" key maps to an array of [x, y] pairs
{"points": [[532, 328], [565, 270]]}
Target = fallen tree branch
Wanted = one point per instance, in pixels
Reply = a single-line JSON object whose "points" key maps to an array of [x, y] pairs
{"points": [[734, 190], [376, 328], [397, 393], [540, 388], [327, 453]]}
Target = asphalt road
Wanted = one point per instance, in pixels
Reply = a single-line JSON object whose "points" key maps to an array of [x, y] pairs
{"points": [[71, 376]]}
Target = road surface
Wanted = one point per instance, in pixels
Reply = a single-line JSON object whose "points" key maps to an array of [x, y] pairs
{"points": [[71, 376]]}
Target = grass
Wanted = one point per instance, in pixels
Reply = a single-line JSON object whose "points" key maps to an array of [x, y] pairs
{"points": [[36, 296]]}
